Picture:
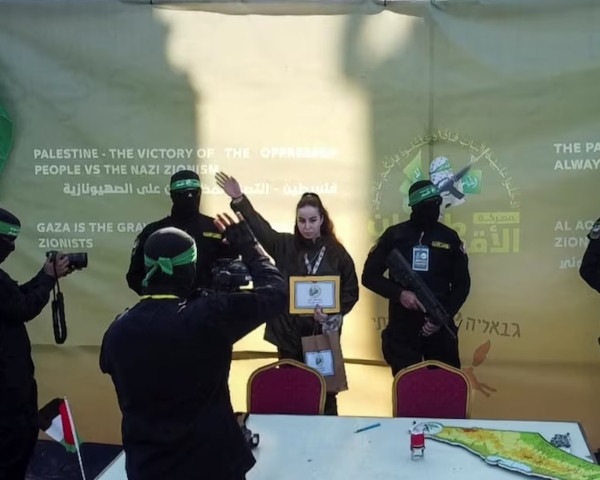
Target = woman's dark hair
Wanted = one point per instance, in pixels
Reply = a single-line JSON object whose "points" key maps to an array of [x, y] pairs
{"points": [[312, 200]]}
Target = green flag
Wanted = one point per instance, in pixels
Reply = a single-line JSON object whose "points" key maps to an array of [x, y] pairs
{"points": [[471, 182], [6, 135]]}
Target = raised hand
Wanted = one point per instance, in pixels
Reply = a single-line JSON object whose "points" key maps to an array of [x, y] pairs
{"points": [[235, 233], [229, 185]]}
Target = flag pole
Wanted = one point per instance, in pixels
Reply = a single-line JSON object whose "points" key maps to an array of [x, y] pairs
{"points": [[75, 439]]}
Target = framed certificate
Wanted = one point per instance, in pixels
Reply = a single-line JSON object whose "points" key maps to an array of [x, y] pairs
{"points": [[308, 292]]}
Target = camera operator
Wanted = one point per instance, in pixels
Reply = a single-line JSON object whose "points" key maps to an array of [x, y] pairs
{"points": [[18, 389], [169, 358]]}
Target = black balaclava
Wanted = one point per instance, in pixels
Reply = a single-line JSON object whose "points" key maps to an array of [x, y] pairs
{"points": [[9, 229], [170, 260], [185, 194], [425, 200]]}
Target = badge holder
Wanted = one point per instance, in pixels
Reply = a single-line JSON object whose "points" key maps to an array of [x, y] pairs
{"points": [[420, 257]]}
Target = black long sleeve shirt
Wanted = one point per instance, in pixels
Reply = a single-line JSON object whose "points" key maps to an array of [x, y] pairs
{"points": [[590, 264], [448, 275], [18, 305], [169, 361], [288, 252], [208, 242]]}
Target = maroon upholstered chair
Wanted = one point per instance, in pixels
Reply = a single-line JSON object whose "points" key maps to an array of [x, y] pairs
{"points": [[286, 387], [431, 389]]}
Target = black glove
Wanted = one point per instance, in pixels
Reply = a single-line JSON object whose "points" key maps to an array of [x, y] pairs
{"points": [[241, 239]]}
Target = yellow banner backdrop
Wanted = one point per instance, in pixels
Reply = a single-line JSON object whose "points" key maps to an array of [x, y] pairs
{"points": [[109, 99]]}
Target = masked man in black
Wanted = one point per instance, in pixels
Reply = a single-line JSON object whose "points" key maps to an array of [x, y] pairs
{"points": [[436, 253], [18, 390], [590, 264], [169, 359], [185, 195]]}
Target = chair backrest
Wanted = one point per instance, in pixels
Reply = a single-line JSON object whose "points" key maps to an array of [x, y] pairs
{"points": [[286, 387], [431, 389]]}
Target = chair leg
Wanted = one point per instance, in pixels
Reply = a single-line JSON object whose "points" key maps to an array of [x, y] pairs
{"points": [[330, 404]]}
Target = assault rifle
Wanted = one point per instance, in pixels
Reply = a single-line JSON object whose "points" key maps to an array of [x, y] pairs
{"points": [[400, 270]]}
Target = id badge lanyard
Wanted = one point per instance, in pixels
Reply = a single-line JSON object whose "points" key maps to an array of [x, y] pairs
{"points": [[312, 270], [420, 256]]}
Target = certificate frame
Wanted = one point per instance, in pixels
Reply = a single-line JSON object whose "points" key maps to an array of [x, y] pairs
{"points": [[329, 285]]}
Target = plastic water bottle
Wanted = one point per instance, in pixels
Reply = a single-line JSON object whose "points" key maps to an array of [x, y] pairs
{"points": [[417, 443]]}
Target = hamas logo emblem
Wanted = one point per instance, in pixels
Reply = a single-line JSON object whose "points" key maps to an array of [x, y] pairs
{"points": [[464, 171], [408, 166]]}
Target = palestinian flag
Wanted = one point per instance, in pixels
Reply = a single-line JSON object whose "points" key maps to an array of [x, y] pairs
{"points": [[56, 422]]}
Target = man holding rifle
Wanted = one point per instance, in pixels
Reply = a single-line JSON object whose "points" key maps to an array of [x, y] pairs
{"points": [[426, 290]]}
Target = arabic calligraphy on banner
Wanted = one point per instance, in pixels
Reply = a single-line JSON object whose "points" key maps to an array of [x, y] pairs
{"points": [[490, 232]]}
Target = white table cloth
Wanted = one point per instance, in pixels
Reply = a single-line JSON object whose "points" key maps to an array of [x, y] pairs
{"points": [[326, 447]]}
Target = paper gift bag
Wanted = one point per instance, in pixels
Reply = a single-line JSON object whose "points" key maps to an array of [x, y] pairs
{"points": [[324, 353]]}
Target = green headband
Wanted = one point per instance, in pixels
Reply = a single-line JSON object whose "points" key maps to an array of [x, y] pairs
{"points": [[166, 264], [185, 183], [9, 229], [421, 194]]}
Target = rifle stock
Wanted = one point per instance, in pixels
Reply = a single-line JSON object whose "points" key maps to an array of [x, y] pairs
{"points": [[400, 270]]}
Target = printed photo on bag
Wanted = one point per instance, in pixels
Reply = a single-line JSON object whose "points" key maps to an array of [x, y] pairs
{"points": [[321, 361]]}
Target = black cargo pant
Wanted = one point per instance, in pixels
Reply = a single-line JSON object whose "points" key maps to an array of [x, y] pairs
{"points": [[18, 436], [403, 347], [19, 427]]}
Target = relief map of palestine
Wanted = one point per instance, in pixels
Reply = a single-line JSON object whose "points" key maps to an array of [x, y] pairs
{"points": [[525, 452]]}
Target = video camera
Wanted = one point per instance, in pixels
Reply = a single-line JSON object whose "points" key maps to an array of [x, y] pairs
{"points": [[78, 261], [230, 274]]}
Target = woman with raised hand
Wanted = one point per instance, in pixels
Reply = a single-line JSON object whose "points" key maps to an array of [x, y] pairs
{"points": [[313, 249]]}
